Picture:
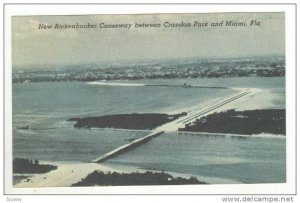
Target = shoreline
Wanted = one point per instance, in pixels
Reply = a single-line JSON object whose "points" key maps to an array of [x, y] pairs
{"points": [[261, 135], [67, 174], [64, 176]]}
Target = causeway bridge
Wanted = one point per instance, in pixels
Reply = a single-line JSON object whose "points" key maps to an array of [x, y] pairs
{"points": [[173, 125]]}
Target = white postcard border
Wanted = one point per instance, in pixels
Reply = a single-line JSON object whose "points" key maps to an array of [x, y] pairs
{"points": [[63, 9]]}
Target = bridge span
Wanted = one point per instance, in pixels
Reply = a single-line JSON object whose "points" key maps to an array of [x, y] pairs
{"points": [[173, 126]]}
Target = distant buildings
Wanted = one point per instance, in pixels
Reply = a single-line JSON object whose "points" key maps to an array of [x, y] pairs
{"points": [[261, 67]]}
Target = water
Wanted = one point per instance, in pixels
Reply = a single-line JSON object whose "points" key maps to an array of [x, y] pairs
{"points": [[45, 107], [246, 160], [68, 144]]}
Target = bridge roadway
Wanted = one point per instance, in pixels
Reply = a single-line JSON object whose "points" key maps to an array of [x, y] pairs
{"points": [[171, 126]]}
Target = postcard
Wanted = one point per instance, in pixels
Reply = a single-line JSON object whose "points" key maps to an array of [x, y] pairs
{"points": [[154, 99]]}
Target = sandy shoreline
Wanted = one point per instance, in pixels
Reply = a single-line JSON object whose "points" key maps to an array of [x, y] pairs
{"points": [[64, 176], [261, 135], [70, 173]]}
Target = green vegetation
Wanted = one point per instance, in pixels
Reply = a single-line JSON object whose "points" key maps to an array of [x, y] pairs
{"points": [[30, 166], [121, 179], [241, 122], [126, 121]]}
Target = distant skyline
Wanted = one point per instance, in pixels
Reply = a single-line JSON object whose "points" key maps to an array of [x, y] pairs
{"points": [[33, 46]]}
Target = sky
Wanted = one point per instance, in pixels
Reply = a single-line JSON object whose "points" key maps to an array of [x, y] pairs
{"points": [[33, 46]]}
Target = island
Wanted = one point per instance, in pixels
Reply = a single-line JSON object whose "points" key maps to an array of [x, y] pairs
{"points": [[241, 122], [143, 121], [26, 166]]}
